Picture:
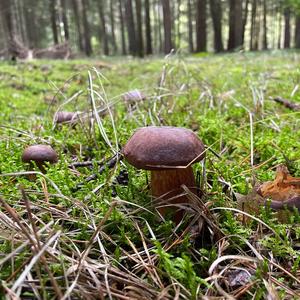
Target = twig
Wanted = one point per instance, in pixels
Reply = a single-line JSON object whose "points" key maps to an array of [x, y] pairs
{"points": [[84, 163], [108, 164], [287, 103]]}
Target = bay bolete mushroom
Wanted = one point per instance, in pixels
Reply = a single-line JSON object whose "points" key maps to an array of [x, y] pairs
{"points": [[168, 153], [40, 154], [133, 96], [64, 117]]}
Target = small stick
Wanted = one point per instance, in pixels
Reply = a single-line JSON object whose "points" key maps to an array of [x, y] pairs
{"points": [[287, 103], [85, 163], [108, 164]]}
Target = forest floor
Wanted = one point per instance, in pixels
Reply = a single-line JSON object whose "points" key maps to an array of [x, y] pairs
{"points": [[65, 237]]}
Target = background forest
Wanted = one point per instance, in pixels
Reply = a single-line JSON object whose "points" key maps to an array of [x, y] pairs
{"points": [[143, 27]]}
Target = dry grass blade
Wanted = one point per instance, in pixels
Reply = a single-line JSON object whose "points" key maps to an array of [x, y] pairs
{"points": [[34, 260], [40, 174], [96, 114], [198, 205], [25, 244], [231, 257], [92, 240], [105, 100], [82, 259], [155, 276], [248, 215], [38, 245]]}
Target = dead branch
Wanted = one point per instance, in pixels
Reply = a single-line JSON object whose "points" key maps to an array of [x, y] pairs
{"points": [[18, 50], [287, 103]]}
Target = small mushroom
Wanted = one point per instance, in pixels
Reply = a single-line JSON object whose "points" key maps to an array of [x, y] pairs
{"points": [[40, 154], [133, 96], [168, 153], [64, 117]]}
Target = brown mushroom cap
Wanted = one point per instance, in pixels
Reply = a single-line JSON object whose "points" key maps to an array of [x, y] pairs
{"points": [[39, 154], [153, 148], [133, 96], [64, 116]]}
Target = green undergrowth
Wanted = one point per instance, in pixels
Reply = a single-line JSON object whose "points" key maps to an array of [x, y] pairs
{"points": [[109, 239]]}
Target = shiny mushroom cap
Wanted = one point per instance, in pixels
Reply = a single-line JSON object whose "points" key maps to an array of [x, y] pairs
{"points": [[64, 116], [39, 154], [133, 96], [153, 148]]}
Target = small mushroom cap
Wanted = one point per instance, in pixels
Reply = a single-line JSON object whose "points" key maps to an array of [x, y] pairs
{"points": [[133, 96], [39, 154], [153, 148], [64, 116]]}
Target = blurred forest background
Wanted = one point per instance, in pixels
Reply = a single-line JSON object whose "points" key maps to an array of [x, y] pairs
{"points": [[145, 27]]}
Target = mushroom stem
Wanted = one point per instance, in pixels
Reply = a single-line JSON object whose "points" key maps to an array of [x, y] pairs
{"points": [[166, 184]]}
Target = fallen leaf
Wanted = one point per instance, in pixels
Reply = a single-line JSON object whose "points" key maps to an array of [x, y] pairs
{"points": [[281, 193], [284, 186]]}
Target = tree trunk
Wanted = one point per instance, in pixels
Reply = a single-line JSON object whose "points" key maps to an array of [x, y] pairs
{"points": [[157, 40], [53, 21], [148, 28], [19, 21], [23, 22], [103, 29], [287, 28], [3, 38], [31, 28], [216, 14], [231, 41], [253, 31], [178, 17], [77, 19], [112, 23], [297, 32], [173, 18], [122, 28], [139, 26], [245, 17], [265, 33], [167, 26], [190, 26], [86, 29], [65, 19], [7, 18], [159, 28], [272, 25], [279, 28], [235, 24], [130, 27], [201, 26]]}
